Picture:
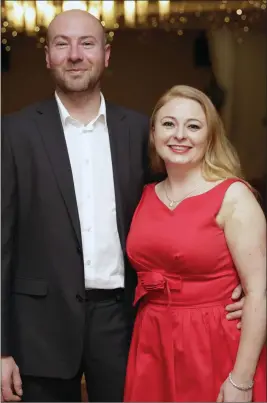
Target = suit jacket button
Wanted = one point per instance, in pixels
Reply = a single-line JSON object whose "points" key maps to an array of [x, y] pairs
{"points": [[79, 250], [79, 298]]}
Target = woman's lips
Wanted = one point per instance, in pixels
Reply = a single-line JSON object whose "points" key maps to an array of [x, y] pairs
{"points": [[179, 149]]}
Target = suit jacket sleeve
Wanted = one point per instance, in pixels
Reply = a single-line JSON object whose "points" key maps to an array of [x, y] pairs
{"points": [[8, 216]]}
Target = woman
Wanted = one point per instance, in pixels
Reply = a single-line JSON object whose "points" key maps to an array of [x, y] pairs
{"points": [[192, 237]]}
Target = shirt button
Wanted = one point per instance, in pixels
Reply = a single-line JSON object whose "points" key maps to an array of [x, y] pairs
{"points": [[88, 262]]}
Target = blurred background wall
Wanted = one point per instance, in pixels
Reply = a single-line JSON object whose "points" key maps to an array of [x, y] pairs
{"points": [[217, 46]]}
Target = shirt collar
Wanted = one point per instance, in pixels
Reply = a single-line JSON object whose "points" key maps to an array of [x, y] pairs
{"points": [[64, 114]]}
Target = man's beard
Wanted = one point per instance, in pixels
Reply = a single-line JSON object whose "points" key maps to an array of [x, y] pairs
{"points": [[88, 81]]}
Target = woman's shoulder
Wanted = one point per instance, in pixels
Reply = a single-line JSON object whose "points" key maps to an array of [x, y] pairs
{"points": [[240, 199], [238, 190]]}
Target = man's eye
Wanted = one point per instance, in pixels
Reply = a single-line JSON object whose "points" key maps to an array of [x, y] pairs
{"points": [[87, 44], [61, 44]]}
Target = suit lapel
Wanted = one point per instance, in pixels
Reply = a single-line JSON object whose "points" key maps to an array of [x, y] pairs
{"points": [[50, 127], [119, 136]]}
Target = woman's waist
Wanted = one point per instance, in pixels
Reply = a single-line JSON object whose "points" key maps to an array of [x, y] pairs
{"points": [[185, 303], [184, 291]]}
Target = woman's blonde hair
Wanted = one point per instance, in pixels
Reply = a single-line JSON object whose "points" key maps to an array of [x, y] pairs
{"points": [[220, 160]]}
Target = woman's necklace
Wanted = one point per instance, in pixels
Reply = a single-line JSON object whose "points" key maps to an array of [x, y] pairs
{"points": [[174, 202]]}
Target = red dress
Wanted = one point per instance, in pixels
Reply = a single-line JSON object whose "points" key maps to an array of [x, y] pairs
{"points": [[183, 347]]}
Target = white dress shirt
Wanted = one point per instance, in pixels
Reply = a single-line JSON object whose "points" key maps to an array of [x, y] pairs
{"points": [[90, 158]]}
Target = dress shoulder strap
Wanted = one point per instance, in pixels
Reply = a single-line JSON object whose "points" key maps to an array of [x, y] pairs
{"points": [[218, 192]]}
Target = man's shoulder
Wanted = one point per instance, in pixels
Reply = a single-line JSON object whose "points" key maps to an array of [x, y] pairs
{"points": [[28, 111], [132, 114]]}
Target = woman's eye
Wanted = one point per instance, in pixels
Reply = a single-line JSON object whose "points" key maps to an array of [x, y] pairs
{"points": [[168, 124], [194, 127]]}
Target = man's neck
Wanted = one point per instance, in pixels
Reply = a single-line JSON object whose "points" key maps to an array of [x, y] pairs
{"points": [[82, 106]]}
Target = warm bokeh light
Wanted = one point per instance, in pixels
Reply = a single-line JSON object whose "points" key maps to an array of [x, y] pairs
{"points": [[29, 17], [33, 17], [141, 10], [94, 8], [129, 12], [15, 13], [108, 13], [71, 5], [164, 8]]}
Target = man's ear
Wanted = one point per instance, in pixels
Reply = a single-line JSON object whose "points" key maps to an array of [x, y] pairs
{"points": [[107, 54], [47, 59]]}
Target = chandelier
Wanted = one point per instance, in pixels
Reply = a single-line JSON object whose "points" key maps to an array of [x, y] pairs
{"points": [[33, 17]]}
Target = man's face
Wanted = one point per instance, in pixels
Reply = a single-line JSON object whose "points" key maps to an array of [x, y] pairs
{"points": [[76, 52]]}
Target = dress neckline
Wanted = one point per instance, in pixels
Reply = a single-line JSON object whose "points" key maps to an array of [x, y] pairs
{"points": [[190, 197]]}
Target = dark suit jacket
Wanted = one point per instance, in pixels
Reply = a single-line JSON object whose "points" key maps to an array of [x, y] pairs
{"points": [[42, 260]]}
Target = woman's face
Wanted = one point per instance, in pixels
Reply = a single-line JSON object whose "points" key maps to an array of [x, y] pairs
{"points": [[181, 132]]}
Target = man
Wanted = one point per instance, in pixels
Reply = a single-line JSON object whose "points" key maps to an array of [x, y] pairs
{"points": [[73, 170]]}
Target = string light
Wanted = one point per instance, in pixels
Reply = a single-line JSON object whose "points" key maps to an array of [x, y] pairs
{"points": [[70, 5], [108, 14], [33, 17], [29, 17], [164, 8], [129, 12], [141, 11], [94, 8]]}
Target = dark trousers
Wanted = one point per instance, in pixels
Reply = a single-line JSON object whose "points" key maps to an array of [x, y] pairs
{"points": [[106, 346]]}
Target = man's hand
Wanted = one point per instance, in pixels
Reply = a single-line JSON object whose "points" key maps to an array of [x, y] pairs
{"points": [[11, 388], [235, 309]]}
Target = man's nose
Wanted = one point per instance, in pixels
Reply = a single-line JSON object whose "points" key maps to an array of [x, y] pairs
{"points": [[75, 53]]}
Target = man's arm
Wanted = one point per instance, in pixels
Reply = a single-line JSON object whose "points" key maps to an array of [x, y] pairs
{"points": [[8, 217], [10, 372]]}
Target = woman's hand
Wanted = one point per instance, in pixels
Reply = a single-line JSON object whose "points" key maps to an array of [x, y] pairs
{"points": [[228, 393]]}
